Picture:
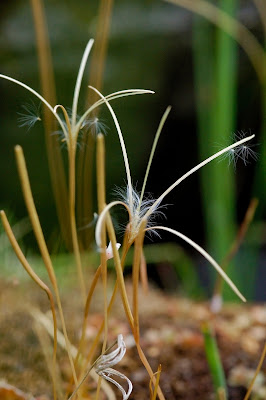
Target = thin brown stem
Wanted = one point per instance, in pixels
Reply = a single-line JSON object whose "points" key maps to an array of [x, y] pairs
{"points": [[101, 205], [72, 203], [28, 198], [55, 161], [135, 276], [149, 370], [39, 282], [119, 271], [97, 338], [86, 312], [263, 355], [86, 156], [248, 218]]}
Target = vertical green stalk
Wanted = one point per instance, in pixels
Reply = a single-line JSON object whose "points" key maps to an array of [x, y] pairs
{"points": [[214, 361], [223, 124], [215, 76]]}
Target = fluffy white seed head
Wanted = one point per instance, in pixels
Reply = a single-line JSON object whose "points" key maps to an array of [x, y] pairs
{"points": [[138, 209]]}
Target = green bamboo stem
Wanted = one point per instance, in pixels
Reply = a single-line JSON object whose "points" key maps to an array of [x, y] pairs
{"points": [[216, 93]]}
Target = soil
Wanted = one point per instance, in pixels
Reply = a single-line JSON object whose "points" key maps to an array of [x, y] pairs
{"points": [[170, 335]]}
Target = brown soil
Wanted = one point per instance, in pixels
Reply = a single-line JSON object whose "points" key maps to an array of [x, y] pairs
{"points": [[170, 336]]}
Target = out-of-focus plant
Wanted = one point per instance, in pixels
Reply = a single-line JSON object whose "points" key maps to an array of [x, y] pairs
{"points": [[215, 59]]}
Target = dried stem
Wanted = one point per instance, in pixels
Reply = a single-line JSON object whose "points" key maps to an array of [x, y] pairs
{"points": [[25, 184], [73, 225], [101, 205], [39, 282], [55, 161], [263, 355], [135, 276], [236, 244]]}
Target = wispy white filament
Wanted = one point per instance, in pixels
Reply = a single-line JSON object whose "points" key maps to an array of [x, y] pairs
{"points": [[8, 78]]}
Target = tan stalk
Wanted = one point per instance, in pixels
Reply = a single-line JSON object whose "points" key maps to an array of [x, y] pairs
{"points": [[149, 370], [236, 244], [55, 161], [121, 284], [86, 313], [72, 211], [263, 355], [47, 324], [153, 392], [205, 255], [89, 371], [28, 198], [85, 162], [143, 274], [119, 271], [97, 338], [138, 249], [101, 204], [233, 28], [39, 282]]}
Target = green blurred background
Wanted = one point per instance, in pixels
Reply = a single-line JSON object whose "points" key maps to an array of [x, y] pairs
{"points": [[190, 64]]}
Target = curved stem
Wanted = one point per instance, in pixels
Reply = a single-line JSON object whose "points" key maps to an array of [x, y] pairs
{"points": [[39, 282], [122, 143], [263, 355], [209, 159], [101, 220], [68, 137], [159, 130], [205, 254], [24, 179], [78, 82], [110, 97]]}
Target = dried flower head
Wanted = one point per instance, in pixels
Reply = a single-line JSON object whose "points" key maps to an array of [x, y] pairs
{"points": [[105, 362]]}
